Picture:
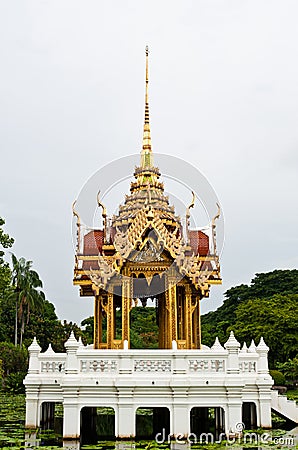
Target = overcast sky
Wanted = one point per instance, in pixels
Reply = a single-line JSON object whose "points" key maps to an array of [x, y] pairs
{"points": [[223, 96]]}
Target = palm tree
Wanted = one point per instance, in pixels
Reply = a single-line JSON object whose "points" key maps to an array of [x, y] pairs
{"points": [[27, 293]]}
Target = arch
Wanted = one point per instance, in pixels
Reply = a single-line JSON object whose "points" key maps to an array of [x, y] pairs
{"points": [[152, 421], [51, 417], [207, 423], [249, 415], [97, 422]]}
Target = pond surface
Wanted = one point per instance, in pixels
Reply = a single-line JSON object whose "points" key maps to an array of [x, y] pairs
{"points": [[12, 435]]}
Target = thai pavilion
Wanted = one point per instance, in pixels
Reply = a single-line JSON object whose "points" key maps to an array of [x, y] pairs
{"points": [[144, 254]]}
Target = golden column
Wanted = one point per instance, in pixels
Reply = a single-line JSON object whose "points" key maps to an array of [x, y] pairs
{"points": [[126, 307], [97, 321], [188, 317], [110, 319], [197, 323], [161, 321], [171, 306]]}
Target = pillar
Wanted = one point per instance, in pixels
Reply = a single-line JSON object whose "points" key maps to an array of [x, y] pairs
{"points": [[32, 389], [71, 419], [110, 320], [199, 338], [97, 321], [188, 317], [71, 345], [126, 423], [262, 362], [265, 405], [32, 407], [171, 306], [180, 423], [126, 306], [232, 345], [234, 411], [234, 385], [196, 322], [34, 351]]}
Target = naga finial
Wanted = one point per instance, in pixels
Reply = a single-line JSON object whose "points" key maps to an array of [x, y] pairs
{"points": [[217, 216], [101, 205], [187, 214], [76, 214], [104, 215]]}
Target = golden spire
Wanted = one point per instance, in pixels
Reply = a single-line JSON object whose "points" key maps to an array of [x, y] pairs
{"points": [[146, 154]]}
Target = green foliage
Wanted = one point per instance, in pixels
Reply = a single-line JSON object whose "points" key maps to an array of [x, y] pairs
{"points": [[289, 369], [88, 329], [14, 361], [278, 377], [26, 293], [292, 394], [12, 418], [275, 319], [14, 383], [268, 307], [60, 333], [5, 273], [143, 328]]}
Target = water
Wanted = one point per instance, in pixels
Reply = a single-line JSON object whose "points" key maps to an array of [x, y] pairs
{"points": [[13, 436]]}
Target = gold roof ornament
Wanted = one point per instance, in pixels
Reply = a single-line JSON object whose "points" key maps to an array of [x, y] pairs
{"points": [[146, 154], [147, 190]]}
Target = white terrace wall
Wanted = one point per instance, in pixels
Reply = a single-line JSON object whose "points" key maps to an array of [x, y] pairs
{"points": [[128, 379]]}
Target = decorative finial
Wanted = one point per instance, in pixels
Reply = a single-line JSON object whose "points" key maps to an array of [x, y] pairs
{"points": [[104, 214], [146, 154], [213, 229], [187, 215], [76, 214]]}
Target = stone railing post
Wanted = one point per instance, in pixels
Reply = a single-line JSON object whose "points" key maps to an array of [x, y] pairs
{"points": [[262, 363], [232, 345], [34, 351], [71, 345]]}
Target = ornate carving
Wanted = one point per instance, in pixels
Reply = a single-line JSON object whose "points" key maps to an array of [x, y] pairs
{"points": [[52, 366], [105, 273], [99, 365], [206, 365], [152, 365], [122, 244]]}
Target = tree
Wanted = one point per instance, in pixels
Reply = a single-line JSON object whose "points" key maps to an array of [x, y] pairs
{"points": [[14, 362], [275, 319], [5, 274], [26, 292], [289, 369], [263, 286]]}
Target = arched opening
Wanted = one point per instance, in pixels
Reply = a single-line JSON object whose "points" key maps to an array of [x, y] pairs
{"points": [[249, 415], [204, 420], [97, 423], [52, 417], [152, 421]]}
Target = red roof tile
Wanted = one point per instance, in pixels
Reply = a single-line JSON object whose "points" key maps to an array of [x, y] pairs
{"points": [[199, 242], [93, 242]]}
